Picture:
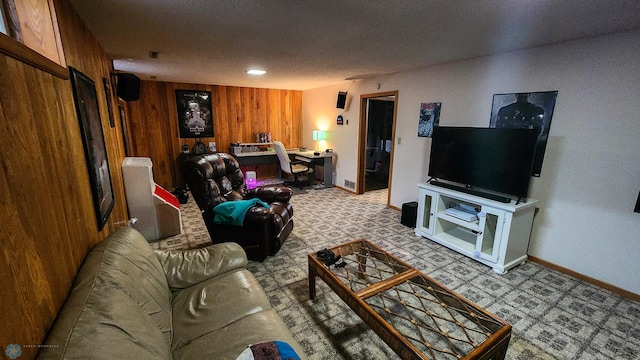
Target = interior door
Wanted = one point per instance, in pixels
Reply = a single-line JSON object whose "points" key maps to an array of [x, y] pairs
{"points": [[378, 148], [373, 151]]}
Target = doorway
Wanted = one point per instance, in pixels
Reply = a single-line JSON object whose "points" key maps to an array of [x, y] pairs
{"points": [[375, 144]]}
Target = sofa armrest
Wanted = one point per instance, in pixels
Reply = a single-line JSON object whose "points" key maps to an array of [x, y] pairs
{"points": [[270, 193], [187, 267]]}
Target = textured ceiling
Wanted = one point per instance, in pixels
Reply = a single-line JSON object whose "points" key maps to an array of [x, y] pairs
{"points": [[308, 44]]}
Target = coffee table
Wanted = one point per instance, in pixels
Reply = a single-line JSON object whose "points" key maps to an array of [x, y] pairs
{"points": [[414, 314]]}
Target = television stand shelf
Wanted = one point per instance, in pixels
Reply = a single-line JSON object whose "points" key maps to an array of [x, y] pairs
{"points": [[498, 238]]}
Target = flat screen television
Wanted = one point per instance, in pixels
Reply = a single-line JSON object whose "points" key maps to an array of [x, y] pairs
{"points": [[498, 160]]}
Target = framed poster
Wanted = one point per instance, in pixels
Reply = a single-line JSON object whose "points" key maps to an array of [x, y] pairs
{"points": [[195, 115], [532, 110], [429, 117], [86, 102]]}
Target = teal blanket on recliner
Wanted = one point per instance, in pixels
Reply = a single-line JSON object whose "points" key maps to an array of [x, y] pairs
{"points": [[232, 212]]}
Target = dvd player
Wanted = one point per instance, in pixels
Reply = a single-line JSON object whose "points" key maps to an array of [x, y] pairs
{"points": [[463, 213]]}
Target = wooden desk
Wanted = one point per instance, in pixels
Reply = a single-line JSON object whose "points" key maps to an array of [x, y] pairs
{"points": [[256, 158], [270, 157], [253, 160]]}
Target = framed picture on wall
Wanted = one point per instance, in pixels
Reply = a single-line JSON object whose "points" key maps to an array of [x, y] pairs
{"points": [[531, 110], [429, 117], [195, 114], [86, 102]]}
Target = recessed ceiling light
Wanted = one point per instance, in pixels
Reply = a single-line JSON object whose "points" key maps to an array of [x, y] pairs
{"points": [[256, 72]]}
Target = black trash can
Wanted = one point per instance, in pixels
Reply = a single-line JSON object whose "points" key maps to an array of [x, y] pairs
{"points": [[409, 214]]}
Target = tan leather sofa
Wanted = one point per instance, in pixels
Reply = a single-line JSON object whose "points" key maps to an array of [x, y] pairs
{"points": [[131, 302]]}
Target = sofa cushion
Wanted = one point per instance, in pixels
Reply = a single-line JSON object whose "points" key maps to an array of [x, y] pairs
{"points": [[119, 302], [227, 344], [111, 327], [214, 304], [187, 267], [130, 263]]}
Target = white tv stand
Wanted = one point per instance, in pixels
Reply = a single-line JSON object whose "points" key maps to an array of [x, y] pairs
{"points": [[499, 237]]}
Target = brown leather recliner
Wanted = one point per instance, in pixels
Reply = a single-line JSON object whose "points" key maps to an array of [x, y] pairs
{"points": [[216, 178]]}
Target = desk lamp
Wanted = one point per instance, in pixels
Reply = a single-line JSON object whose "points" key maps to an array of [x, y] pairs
{"points": [[318, 135]]}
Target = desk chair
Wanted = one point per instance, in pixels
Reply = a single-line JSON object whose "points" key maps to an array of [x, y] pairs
{"points": [[296, 168]]}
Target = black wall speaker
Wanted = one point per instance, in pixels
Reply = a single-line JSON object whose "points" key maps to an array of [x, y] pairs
{"points": [[128, 87], [342, 99]]}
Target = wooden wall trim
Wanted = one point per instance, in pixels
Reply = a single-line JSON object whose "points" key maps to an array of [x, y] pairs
{"points": [[56, 35], [590, 280], [34, 35], [16, 50]]}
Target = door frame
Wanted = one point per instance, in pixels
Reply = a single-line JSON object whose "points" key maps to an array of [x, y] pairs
{"points": [[362, 139]]}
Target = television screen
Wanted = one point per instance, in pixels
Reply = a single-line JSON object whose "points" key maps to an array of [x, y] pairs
{"points": [[499, 160]]}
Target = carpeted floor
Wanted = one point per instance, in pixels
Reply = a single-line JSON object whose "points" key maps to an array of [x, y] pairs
{"points": [[554, 316]]}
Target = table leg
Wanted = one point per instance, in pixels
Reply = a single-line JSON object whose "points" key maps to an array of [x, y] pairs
{"points": [[328, 171], [312, 283]]}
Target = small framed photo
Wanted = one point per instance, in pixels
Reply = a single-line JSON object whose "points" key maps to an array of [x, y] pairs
{"points": [[429, 117]]}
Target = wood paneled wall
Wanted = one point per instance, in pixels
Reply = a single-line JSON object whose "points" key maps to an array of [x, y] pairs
{"points": [[238, 114], [47, 219]]}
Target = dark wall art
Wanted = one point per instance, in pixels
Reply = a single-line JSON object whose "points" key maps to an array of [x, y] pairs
{"points": [[429, 117], [86, 101], [532, 110], [195, 114]]}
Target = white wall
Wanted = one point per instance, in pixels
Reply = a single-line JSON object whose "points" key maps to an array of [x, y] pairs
{"points": [[319, 112], [591, 172]]}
